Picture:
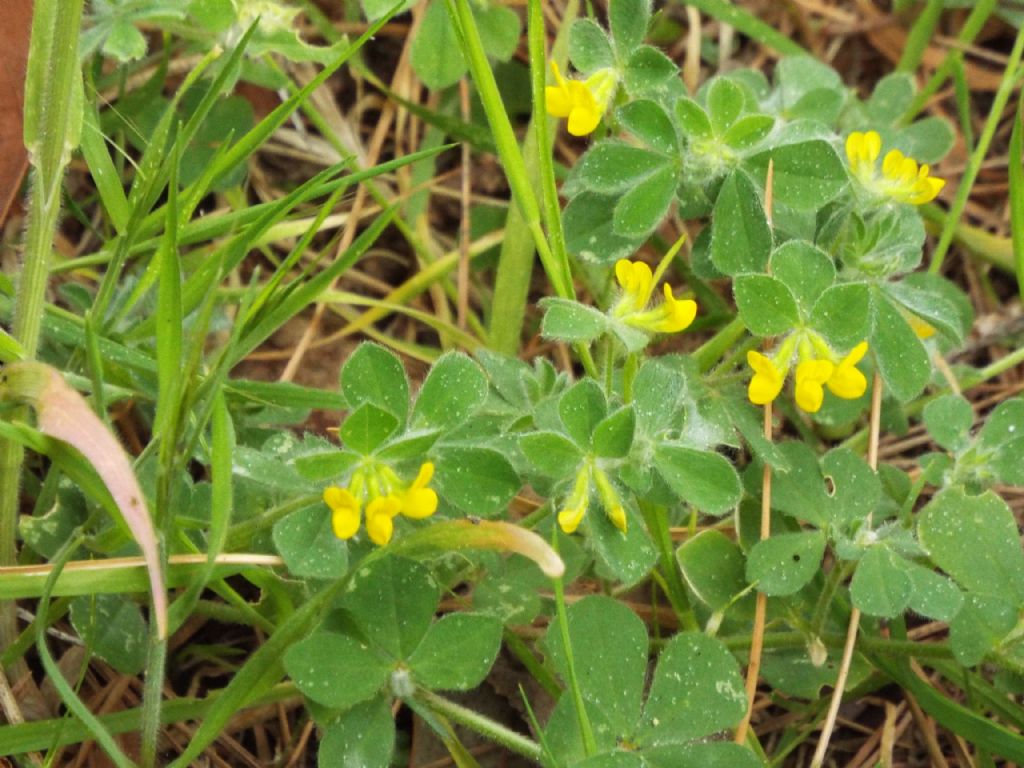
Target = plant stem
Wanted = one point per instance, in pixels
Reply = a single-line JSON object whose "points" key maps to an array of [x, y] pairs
{"points": [[851, 631], [711, 351], [657, 524], [496, 732], [53, 117]]}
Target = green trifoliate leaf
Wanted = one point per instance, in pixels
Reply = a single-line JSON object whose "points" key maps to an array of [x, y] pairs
{"points": [[658, 394], [363, 735], [976, 541], [479, 481], [581, 409], [648, 121], [457, 652], [805, 269], [784, 564], [451, 393], [927, 140], [890, 97], [741, 240], [392, 601], [748, 131], [308, 545], [766, 306], [374, 375], [589, 46], [613, 167], [902, 359], [643, 207], [949, 420], [627, 21], [933, 595], [553, 455], [613, 437], [113, 628], [649, 72], [626, 557], [713, 566], [589, 233], [567, 320], [725, 104], [713, 754], [702, 478], [692, 118], [696, 691], [367, 427], [881, 585], [609, 644], [336, 670], [841, 314], [981, 626], [806, 175]]}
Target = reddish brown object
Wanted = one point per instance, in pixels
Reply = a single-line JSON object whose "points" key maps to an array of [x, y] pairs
{"points": [[13, 57]]}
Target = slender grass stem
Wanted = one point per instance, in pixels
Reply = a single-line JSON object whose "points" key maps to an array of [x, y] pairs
{"points": [[494, 731]]}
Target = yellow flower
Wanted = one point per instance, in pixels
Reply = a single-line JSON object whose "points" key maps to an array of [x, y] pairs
{"points": [[570, 517], [901, 178], [344, 511], [584, 102], [385, 496], [810, 376], [767, 380], [846, 381], [637, 282], [419, 501], [610, 499], [380, 514]]}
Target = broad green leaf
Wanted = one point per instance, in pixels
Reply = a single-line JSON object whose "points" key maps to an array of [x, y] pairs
{"points": [[613, 167], [901, 357], [392, 601], [841, 314], [981, 626], [627, 21], [890, 97], [649, 72], [377, 9], [820, 104], [766, 306], [881, 586], [451, 393], [805, 269], [325, 466], [500, 28], [852, 487], [725, 103], [609, 645], [613, 436], [696, 692], [363, 736], [976, 541], [648, 121], [479, 481], [643, 207], [741, 240], [367, 427], [589, 46], [784, 564], [806, 175], [1003, 425], [551, 453], [930, 305], [409, 445], [927, 140], [658, 393], [581, 409], [567, 320], [588, 230], [112, 627], [746, 132], [702, 478], [712, 754], [949, 419], [436, 53], [457, 652], [692, 118], [799, 75], [335, 670], [308, 545], [933, 595], [625, 557], [613, 760], [374, 375], [713, 567]]}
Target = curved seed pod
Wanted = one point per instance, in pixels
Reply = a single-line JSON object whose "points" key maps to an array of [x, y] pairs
{"points": [[63, 414], [472, 533]]}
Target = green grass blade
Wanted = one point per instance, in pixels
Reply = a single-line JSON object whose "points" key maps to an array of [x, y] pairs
{"points": [[1014, 162], [748, 24], [919, 37], [103, 172]]}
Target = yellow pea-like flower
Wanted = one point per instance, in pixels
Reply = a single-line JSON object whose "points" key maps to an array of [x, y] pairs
{"points": [[344, 511], [380, 514], [901, 178], [583, 102], [811, 375], [846, 380], [637, 283], [767, 381], [419, 501]]}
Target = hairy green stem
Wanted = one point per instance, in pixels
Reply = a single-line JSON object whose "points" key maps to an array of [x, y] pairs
{"points": [[473, 720]]}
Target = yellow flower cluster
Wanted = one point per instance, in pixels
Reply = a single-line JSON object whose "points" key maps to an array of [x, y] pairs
{"points": [[637, 283], [571, 515], [901, 178], [817, 369], [584, 102], [385, 496]]}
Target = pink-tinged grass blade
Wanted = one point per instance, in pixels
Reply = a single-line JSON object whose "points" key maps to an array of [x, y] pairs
{"points": [[63, 414]]}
